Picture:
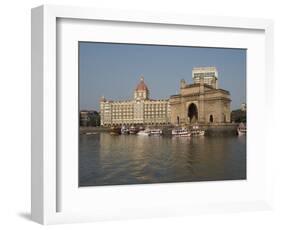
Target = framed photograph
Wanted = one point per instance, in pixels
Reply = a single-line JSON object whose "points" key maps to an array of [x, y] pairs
{"points": [[140, 114]]}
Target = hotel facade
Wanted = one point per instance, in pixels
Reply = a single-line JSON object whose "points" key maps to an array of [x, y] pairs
{"points": [[140, 111]]}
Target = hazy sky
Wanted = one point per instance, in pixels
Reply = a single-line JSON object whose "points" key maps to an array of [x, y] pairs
{"points": [[114, 70]]}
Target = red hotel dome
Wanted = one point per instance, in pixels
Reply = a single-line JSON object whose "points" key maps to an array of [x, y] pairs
{"points": [[142, 85]]}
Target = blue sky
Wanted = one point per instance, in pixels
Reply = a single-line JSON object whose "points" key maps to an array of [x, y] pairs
{"points": [[114, 70]]}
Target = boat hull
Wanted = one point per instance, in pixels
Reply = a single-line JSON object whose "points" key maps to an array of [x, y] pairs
{"points": [[156, 132], [241, 132]]}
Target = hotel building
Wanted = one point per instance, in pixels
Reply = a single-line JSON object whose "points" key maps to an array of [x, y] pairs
{"points": [[141, 110]]}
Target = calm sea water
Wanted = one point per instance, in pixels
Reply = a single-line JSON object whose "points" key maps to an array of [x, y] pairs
{"points": [[132, 159]]}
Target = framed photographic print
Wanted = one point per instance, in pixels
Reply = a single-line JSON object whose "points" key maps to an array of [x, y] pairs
{"points": [[138, 114]]}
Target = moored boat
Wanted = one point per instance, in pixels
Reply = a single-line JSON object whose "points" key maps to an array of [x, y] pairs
{"points": [[241, 129], [181, 132], [124, 130], [156, 132], [196, 131], [145, 132], [133, 130]]}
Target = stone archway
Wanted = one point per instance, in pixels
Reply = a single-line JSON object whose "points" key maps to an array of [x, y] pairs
{"points": [[192, 113]]}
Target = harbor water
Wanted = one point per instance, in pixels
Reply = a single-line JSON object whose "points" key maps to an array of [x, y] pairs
{"points": [[106, 159]]}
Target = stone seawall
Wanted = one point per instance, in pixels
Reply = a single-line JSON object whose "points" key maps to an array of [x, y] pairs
{"points": [[220, 129], [90, 129]]}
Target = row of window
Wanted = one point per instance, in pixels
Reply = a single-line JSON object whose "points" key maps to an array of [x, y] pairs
{"points": [[154, 106], [139, 110], [145, 105], [136, 115], [150, 106], [159, 116], [208, 74], [136, 122], [122, 112]]}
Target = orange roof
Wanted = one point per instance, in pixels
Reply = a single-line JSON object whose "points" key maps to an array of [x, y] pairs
{"points": [[142, 85]]}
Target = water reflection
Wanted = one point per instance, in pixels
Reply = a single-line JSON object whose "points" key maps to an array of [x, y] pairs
{"points": [[131, 159]]}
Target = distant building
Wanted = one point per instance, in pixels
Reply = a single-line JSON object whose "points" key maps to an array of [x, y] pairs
{"points": [[89, 118], [140, 110], [239, 115], [243, 107], [209, 74], [202, 101], [84, 118]]}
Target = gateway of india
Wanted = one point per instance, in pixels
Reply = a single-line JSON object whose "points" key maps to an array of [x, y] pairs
{"points": [[201, 102]]}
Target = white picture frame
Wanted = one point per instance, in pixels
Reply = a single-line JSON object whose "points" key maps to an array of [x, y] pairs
{"points": [[47, 177]]}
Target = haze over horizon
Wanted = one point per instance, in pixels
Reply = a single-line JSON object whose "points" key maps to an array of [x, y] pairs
{"points": [[113, 70]]}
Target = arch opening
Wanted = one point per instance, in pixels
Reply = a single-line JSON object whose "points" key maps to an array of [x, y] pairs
{"points": [[192, 113], [211, 118]]}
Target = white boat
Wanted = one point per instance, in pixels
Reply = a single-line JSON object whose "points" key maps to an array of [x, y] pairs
{"points": [[196, 131], [145, 132], [175, 131], [133, 130], [241, 129], [182, 132], [125, 130], [156, 132]]}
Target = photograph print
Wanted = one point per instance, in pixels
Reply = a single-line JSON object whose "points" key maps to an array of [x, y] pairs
{"points": [[161, 114]]}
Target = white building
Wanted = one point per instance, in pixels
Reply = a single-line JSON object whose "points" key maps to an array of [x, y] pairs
{"points": [[209, 74], [243, 107], [140, 110]]}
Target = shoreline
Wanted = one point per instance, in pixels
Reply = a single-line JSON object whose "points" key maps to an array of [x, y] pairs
{"points": [[210, 129]]}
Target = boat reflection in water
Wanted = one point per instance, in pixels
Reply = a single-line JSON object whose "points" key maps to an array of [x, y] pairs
{"points": [[106, 159]]}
